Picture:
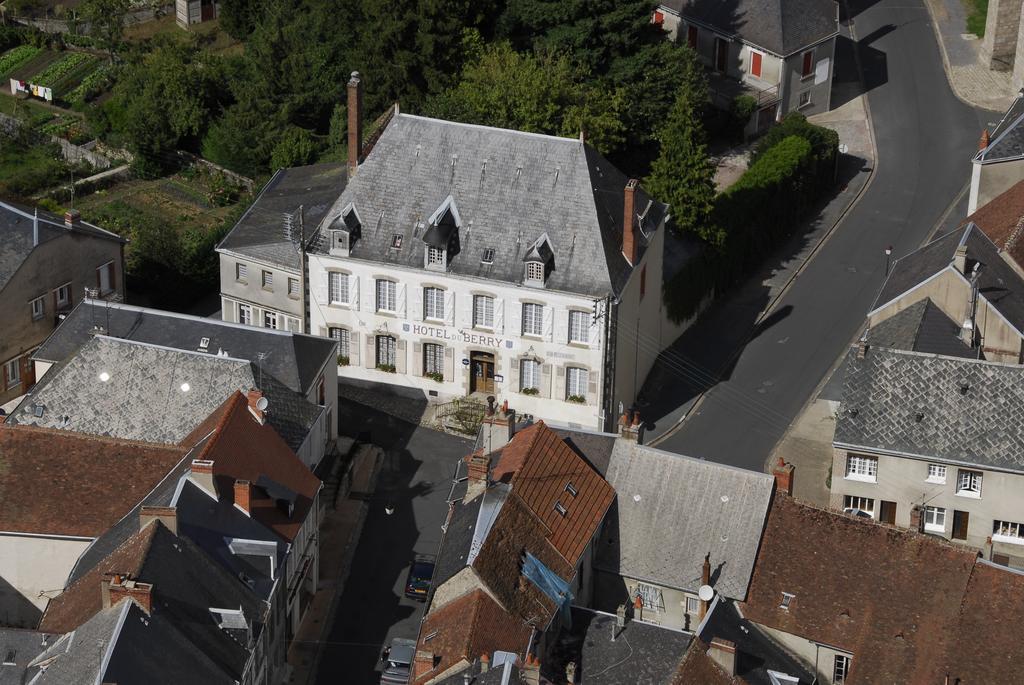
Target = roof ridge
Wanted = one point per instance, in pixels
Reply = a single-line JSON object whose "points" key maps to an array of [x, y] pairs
{"points": [[154, 346], [484, 127], [75, 435], [228, 406], [1014, 236]]}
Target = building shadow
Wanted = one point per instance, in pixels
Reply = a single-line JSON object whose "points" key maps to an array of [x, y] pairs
{"points": [[847, 83]]}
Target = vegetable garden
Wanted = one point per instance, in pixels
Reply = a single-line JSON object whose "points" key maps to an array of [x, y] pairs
{"points": [[72, 76]]}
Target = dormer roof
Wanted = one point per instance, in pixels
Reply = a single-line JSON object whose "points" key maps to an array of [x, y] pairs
{"points": [[540, 250]]}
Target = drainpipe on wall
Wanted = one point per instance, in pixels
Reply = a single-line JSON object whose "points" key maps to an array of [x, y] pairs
{"points": [[611, 310]]}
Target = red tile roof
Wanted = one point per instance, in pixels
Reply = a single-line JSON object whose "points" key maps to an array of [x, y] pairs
{"points": [[697, 668], [986, 644], [242, 449], [466, 628], [65, 483], [1002, 220]]}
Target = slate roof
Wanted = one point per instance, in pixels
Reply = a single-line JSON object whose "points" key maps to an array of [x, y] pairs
{"points": [[26, 645], [509, 189], [921, 327], [780, 26], [641, 652], [293, 358], [144, 399], [698, 667], [186, 584], [467, 627], [77, 658], [1002, 220], [890, 597], [1007, 140], [242, 449], [260, 233], [592, 446], [455, 544], [16, 235], [695, 506], [44, 470], [888, 391], [998, 283]]}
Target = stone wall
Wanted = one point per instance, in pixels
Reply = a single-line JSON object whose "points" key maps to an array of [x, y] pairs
{"points": [[1002, 25], [69, 151]]}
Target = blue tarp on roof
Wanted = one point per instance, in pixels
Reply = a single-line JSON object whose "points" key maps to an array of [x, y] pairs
{"points": [[550, 583]]}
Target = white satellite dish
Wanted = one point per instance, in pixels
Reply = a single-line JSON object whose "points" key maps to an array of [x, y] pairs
{"points": [[706, 593], [262, 404]]}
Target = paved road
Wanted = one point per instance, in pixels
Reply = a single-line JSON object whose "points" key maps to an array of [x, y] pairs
{"points": [[416, 479], [925, 138]]}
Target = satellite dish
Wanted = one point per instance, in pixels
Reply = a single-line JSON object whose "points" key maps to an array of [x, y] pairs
{"points": [[706, 593], [262, 404]]}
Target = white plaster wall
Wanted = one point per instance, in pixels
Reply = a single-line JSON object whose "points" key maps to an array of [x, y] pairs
{"points": [[30, 566]]}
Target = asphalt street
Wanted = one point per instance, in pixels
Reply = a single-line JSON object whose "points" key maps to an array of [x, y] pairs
{"points": [[925, 139], [415, 479]]}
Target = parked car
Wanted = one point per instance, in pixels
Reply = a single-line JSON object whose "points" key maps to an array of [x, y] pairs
{"points": [[417, 584], [858, 512], [398, 658]]}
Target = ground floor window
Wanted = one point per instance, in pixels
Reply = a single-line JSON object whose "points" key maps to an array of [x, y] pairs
{"points": [[386, 348], [433, 360], [245, 314], [529, 376], [342, 336], [935, 519], [1008, 531], [270, 319], [852, 503], [576, 380]]}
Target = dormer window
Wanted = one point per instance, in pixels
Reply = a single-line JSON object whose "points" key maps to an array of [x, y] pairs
{"points": [[539, 261], [343, 231], [535, 271], [435, 256], [441, 239]]}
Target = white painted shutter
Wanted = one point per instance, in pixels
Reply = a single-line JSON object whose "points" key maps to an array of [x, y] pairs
{"points": [[561, 323], [499, 315], [417, 304], [467, 311], [449, 364], [369, 295], [417, 359], [353, 291], [353, 348], [321, 288], [400, 356], [595, 329], [513, 375], [559, 393], [369, 359], [549, 323], [545, 380], [400, 308], [515, 316], [592, 397], [449, 307]]}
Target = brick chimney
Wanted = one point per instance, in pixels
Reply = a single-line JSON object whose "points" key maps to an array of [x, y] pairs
{"points": [[862, 348], [166, 515], [202, 474], [117, 587], [983, 142], [915, 518], [423, 663], [355, 122], [72, 218], [254, 396], [531, 670], [630, 246], [630, 426], [243, 495], [705, 579], [960, 259], [723, 653], [485, 663], [783, 473], [478, 467]]}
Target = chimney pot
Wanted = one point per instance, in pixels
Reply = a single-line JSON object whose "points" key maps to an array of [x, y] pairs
{"points": [[72, 218], [960, 259], [202, 474], [630, 241], [983, 142], [254, 396], [423, 663], [531, 670], [118, 587], [783, 473], [485, 663], [355, 122], [243, 495]]}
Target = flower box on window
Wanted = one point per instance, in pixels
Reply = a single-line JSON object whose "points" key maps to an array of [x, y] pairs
{"points": [[342, 360], [388, 368], [530, 391], [435, 375], [576, 399]]}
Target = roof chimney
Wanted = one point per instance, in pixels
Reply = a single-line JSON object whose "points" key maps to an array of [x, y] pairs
{"points": [[355, 122], [166, 515], [915, 518], [257, 405], [202, 474], [478, 466], [72, 218], [983, 143], [485, 663], [960, 259], [117, 587], [705, 579], [531, 670], [723, 653], [783, 473], [423, 663], [243, 495], [630, 244]]}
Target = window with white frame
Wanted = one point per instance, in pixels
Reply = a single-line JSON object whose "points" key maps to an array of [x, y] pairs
{"points": [[535, 271], [935, 519], [105, 278], [579, 327], [483, 311], [385, 295], [936, 473], [860, 467], [865, 504], [433, 359], [576, 380], [337, 287], [433, 303], [533, 319], [268, 280], [245, 314], [342, 336], [269, 319], [651, 596], [241, 271], [64, 295], [692, 605], [435, 256], [840, 669], [529, 374], [386, 350], [38, 308], [805, 98], [787, 599], [12, 372], [1008, 531], [968, 483], [293, 287]]}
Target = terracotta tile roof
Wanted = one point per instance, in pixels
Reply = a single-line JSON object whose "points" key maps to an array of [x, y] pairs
{"points": [[1002, 220], [697, 668], [65, 483], [242, 449], [543, 471], [888, 596], [986, 645], [467, 627]]}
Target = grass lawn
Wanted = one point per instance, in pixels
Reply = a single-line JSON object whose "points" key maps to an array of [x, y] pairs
{"points": [[977, 10], [209, 33], [25, 170]]}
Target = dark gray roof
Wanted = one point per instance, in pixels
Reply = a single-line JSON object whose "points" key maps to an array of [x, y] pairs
{"points": [[921, 327], [509, 188], [640, 653], [293, 358], [594, 447], [780, 26], [77, 657], [260, 233], [958, 410], [998, 283], [26, 646], [16, 235], [451, 557], [1007, 140], [154, 394], [695, 506]]}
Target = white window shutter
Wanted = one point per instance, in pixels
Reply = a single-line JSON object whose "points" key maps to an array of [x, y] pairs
{"points": [[549, 323], [417, 304], [467, 312], [400, 357], [322, 294], [417, 359], [449, 364], [401, 300], [353, 348], [449, 307], [595, 331], [369, 359], [515, 318], [353, 290], [559, 392], [545, 380], [561, 323], [499, 315]]}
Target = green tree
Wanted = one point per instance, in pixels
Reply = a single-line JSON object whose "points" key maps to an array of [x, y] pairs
{"points": [[105, 19], [296, 147], [683, 175], [239, 18]]}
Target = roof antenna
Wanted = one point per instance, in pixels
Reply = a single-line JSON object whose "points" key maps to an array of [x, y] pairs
{"points": [[260, 356]]}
